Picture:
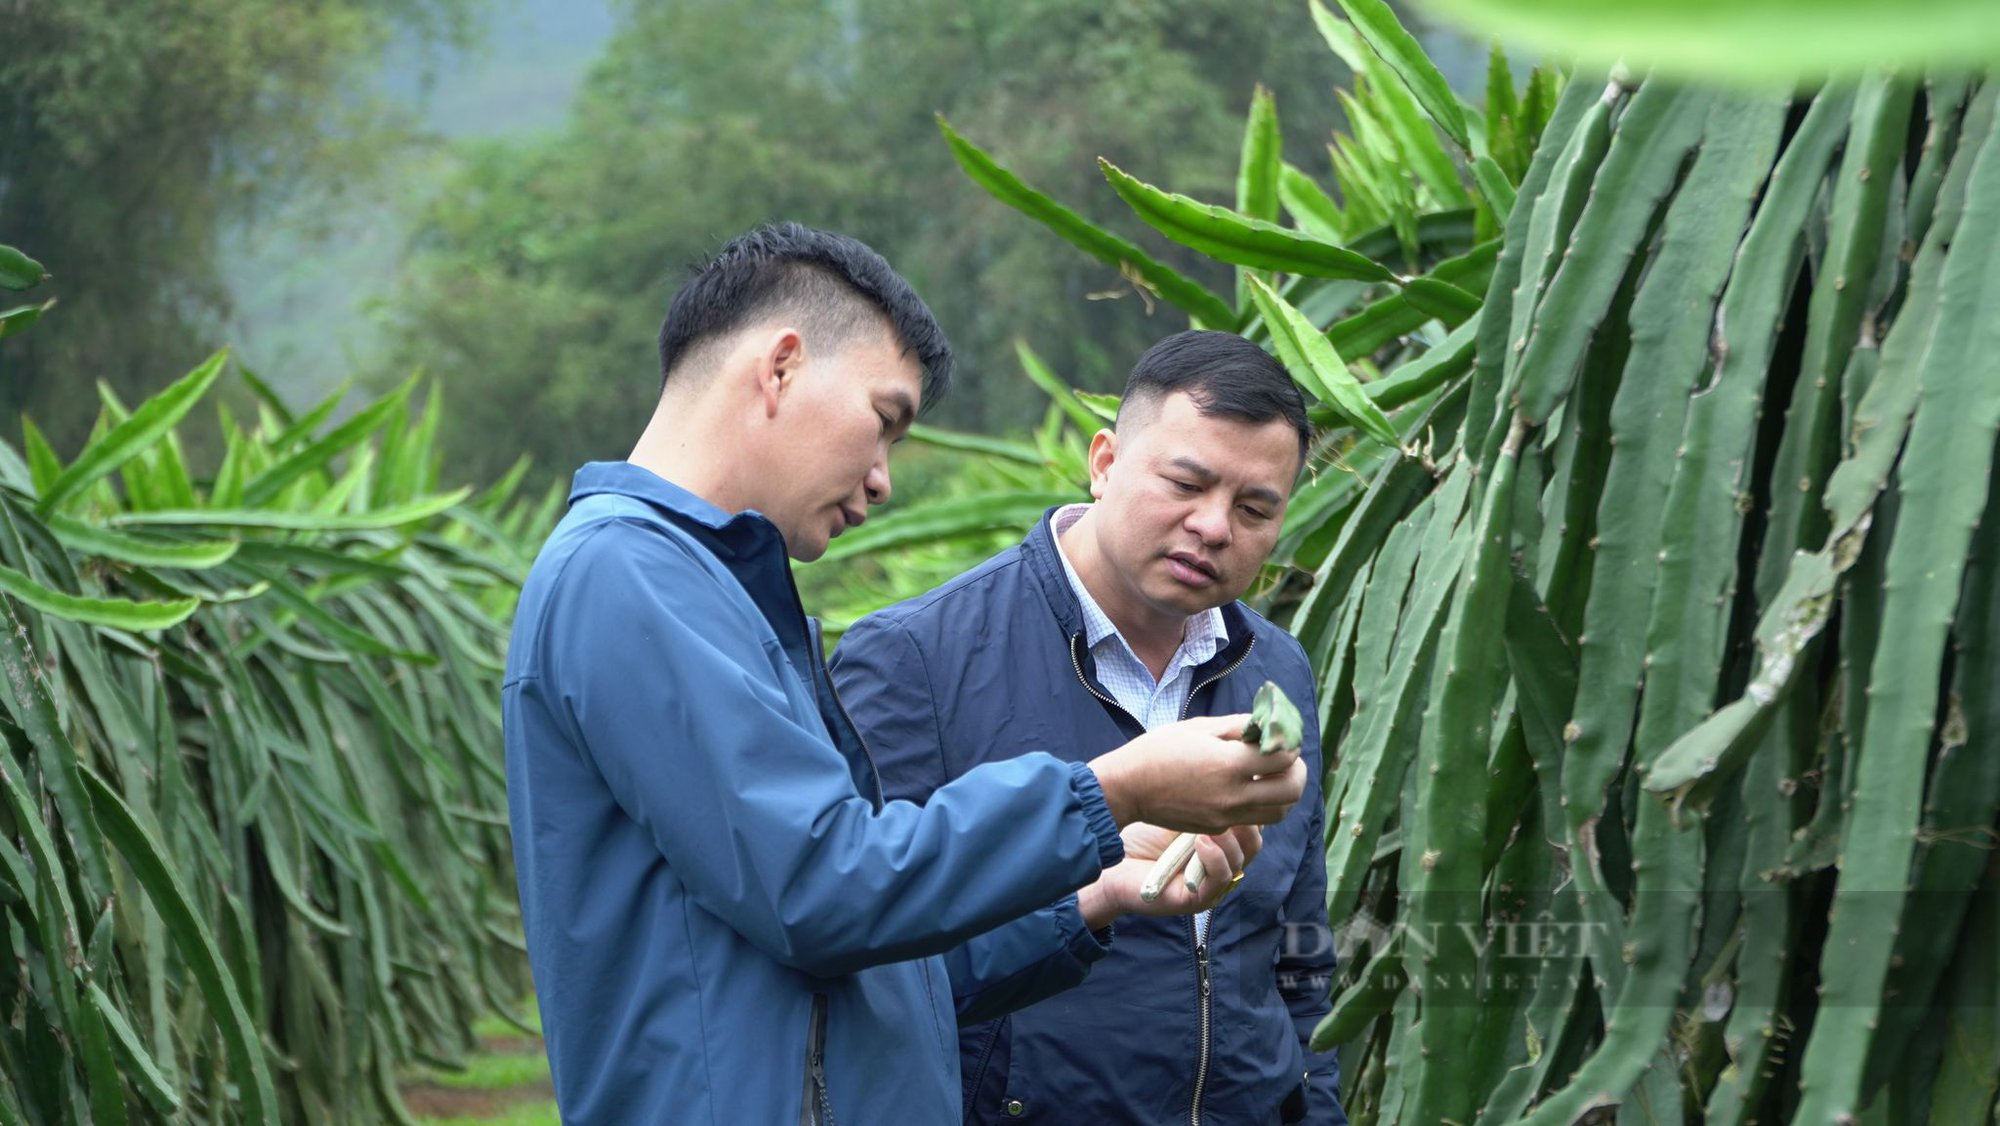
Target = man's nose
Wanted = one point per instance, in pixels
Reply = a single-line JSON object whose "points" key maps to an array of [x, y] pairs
{"points": [[1209, 519], [877, 481]]}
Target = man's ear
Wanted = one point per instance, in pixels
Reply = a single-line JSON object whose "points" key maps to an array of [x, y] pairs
{"points": [[1103, 452], [779, 357]]}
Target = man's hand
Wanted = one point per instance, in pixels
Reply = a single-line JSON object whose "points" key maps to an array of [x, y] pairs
{"points": [[1195, 777], [1116, 891]]}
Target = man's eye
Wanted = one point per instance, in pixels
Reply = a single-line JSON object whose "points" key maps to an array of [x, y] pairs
{"points": [[887, 422], [1183, 486], [1255, 513]]}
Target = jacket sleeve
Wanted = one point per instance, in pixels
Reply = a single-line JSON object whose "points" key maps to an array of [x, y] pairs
{"points": [[663, 678], [1019, 963], [884, 683], [1306, 959]]}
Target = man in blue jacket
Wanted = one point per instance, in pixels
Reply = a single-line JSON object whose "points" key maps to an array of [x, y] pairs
{"points": [[727, 923], [1112, 619]]}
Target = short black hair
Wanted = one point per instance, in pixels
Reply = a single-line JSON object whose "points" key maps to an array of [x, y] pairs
{"points": [[836, 285], [1224, 374]]}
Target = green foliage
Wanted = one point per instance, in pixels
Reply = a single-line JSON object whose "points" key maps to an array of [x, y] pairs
{"points": [[543, 269], [1756, 43], [136, 136], [1398, 289], [253, 857], [1625, 514], [1662, 617]]}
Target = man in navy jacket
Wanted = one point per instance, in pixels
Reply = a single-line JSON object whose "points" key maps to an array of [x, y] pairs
{"points": [[1109, 620], [726, 921]]}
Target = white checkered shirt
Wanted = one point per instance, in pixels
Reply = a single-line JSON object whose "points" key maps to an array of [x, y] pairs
{"points": [[1121, 672]]}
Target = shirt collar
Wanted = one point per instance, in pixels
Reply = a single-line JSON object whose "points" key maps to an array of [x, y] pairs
{"points": [[1202, 637]]}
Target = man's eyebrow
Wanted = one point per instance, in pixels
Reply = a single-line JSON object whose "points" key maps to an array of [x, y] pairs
{"points": [[1204, 474], [906, 407]]}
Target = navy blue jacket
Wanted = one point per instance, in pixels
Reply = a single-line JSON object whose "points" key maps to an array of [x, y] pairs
{"points": [[993, 663], [727, 925]]}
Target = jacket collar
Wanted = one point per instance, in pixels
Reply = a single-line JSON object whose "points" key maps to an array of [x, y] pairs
{"points": [[746, 543], [732, 536]]}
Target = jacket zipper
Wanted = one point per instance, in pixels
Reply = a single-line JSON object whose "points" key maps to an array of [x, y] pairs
{"points": [[1076, 663], [1199, 945], [1233, 666], [1203, 987], [816, 1106]]}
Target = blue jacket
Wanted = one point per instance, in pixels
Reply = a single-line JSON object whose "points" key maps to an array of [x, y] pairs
{"points": [[727, 925], [995, 662]]}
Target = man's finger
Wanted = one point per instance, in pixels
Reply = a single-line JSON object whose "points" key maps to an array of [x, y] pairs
{"points": [[1278, 761], [1232, 850], [1249, 839], [1215, 861], [1278, 783], [1226, 727]]}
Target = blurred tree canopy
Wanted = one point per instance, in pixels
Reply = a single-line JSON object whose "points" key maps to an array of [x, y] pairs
{"points": [[540, 275], [134, 134]]}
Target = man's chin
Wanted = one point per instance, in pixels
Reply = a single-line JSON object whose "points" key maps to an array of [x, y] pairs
{"points": [[805, 547], [1189, 601]]}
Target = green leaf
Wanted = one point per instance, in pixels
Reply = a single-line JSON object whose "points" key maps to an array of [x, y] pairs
{"points": [[14, 471], [270, 399], [394, 517], [1416, 139], [42, 461], [192, 937], [1188, 296], [1342, 40], [1257, 172], [1442, 300], [1062, 394], [1221, 233], [946, 520], [1309, 206], [309, 610], [1313, 362], [1751, 42], [976, 443], [18, 271], [136, 1063], [170, 475], [118, 613], [1501, 104], [22, 317], [1104, 406], [129, 438], [1377, 24], [1493, 185], [89, 539], [356, 429], [226, 488]]}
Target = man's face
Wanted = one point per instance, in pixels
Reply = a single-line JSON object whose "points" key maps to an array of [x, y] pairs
{"points": [[1188, 505], [830, 461]]}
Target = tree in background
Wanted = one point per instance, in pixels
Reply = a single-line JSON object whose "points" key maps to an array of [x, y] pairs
{"points": [[541, 274], [135, 135]]}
